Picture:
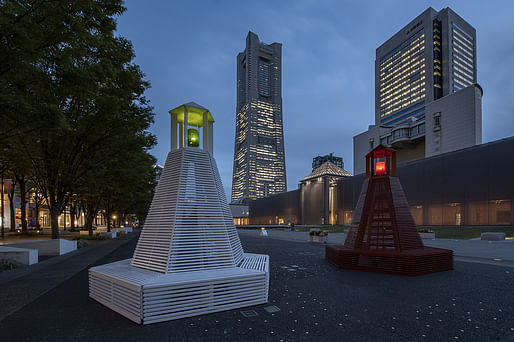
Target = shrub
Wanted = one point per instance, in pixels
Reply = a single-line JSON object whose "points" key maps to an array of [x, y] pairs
{"points": [[6, 265]]}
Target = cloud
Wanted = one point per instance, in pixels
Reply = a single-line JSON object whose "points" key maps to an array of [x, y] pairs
{"points": [[188, 51]]}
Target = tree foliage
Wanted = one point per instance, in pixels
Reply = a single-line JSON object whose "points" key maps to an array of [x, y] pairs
{"points": [[73, 99]]}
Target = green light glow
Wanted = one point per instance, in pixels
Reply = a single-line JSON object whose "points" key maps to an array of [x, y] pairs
{"points": [[194, 115], [193, 139]]}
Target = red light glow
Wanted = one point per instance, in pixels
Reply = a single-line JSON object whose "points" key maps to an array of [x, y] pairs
{"points": [[380, 168]]}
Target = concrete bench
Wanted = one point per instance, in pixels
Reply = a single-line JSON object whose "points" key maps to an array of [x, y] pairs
{"points": [[492, 236], [427, 235], [47, 247], [20, 255], [109, 235]]}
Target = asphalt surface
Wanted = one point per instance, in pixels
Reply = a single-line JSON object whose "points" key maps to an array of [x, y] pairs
{"points": [[317, 302]]}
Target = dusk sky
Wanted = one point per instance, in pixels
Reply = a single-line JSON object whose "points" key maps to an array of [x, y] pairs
{"points": [[188, 49]]}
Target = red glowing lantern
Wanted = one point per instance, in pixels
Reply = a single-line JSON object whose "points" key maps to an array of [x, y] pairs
{"points": [[381, 162], [380, 168]]}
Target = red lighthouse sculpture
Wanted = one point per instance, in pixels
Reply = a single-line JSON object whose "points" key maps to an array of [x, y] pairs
{"points": [[383, 236]]}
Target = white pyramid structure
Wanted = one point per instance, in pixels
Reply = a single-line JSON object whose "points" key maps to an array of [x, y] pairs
{"points": [[190, 198], [188, 260]]}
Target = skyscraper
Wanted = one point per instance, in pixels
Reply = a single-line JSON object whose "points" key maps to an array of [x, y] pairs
{"points": [[320, 160], [259, 160], [427, 100]]}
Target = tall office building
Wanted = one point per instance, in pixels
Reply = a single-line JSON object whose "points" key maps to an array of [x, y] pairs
{"points": [[259, 160], [427, 100]]}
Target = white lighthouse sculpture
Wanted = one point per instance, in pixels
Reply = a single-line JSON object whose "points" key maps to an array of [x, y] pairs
{"points": [[188, 260]]}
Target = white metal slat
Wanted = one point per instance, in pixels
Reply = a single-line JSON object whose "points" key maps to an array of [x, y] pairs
{"points": [[189, 234]]}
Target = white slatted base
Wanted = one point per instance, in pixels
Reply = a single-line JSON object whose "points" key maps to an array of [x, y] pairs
{"points": [[146, 296]]}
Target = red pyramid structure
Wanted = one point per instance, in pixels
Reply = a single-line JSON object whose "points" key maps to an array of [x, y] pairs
{"points": [[383, 236]]}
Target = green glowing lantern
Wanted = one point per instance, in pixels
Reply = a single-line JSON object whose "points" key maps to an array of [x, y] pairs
{"points": [[193, 139], [183, 119]]}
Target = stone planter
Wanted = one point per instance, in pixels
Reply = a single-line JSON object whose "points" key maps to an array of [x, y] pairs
{"points": [[427, 235], [492, 236], [317, 238]]}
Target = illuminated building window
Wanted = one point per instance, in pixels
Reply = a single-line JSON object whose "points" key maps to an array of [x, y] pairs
{"points": [[259, 162]]}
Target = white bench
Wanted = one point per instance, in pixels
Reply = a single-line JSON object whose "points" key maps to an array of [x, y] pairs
{"points": [[21, 255], [145, 296], [47, 247], [492, 236], [427, 235], [125, 230], [109, 235]]}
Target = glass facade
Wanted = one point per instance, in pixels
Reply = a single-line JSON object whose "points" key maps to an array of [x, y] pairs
{"points": [[438, 64], [462, 58], [259, 159], [402, 76], [264, 78]]}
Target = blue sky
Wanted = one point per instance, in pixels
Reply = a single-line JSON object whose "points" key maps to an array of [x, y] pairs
{"points": [[188, 49]]}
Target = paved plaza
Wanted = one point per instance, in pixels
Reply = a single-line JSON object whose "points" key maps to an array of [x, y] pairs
{"points": [[309, 299]]}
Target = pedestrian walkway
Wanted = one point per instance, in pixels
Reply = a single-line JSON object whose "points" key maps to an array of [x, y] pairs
{"points": [[309, 300], [22, 286], [488, 252]]}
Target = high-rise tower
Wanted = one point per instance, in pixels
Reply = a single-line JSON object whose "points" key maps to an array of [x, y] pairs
{"points": [[427, 100], [259, 159], [433, 56]]}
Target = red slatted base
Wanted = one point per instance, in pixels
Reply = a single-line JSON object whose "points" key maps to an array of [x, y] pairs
{"points": [[410, 262]]}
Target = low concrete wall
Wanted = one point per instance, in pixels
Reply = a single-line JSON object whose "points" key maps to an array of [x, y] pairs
{"points": [[109, 235], [47, 247], [21, 255], [427, 235], [492, 236]]}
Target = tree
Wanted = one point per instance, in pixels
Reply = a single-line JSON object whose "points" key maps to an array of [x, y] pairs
{"points": [[22, 185], [10, 195], [72, 94], [112, 184]]}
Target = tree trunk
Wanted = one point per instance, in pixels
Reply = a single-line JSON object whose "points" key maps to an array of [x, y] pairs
{"points": [[90, 209], [23, 202], [123, 218], [37, 214], [72, 216], [108, 217], [54, 219], [10, 195], [56, 201], [89, 222], [2, 204]]}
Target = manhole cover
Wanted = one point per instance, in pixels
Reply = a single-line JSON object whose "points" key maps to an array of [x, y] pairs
{"points": [[249, 313], [271, 309]]}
